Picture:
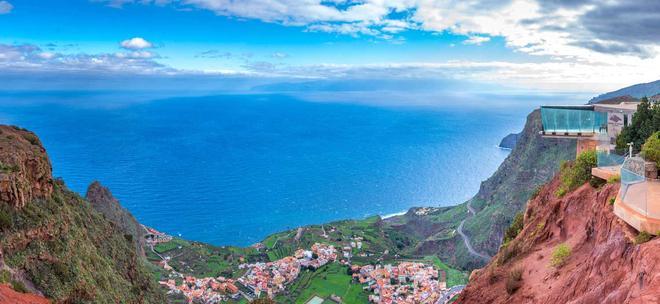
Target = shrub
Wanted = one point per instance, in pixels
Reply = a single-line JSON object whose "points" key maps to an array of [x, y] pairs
{"points": [[651, 149], [597, 182], [614, 179], [536, 192], [575, 174], [514, 229], [509, 251], [560, 255], [18, 286], [643, 237], [5, 220], [514, 280], [612, 200], [5, 276], [31, 138]]}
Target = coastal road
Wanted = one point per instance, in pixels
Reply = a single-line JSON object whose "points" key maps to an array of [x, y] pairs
{"points": [[466, 239]]}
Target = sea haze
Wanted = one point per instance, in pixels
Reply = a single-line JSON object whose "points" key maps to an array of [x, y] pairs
{"points": [[231, 169]]}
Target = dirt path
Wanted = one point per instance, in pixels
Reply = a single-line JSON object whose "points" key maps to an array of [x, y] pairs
{"points": [[466, 239]]}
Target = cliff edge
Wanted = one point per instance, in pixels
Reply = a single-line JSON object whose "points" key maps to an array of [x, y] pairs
{"points": [[53, 244], [571, 249]]}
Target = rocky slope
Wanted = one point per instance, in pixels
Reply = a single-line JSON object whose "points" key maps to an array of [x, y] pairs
{"points": [[604, 265], [532, 162], [53, 243], [105, 203], [509, 141]]}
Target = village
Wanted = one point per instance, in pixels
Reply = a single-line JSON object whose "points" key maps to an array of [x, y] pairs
{"points": [[407, 282]]}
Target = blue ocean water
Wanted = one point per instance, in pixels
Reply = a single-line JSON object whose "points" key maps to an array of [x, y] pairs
{"points": [[231, 169]]}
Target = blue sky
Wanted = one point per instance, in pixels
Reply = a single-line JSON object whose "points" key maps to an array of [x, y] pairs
{"points": [[565, 45]]}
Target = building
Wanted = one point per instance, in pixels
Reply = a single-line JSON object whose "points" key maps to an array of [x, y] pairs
{"points": [[593, 126], [596, 127]]}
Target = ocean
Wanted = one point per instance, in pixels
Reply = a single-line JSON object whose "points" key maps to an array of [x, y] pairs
{"points": [[232, 169]]}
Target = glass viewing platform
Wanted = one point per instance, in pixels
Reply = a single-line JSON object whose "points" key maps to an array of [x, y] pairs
{"points": [[573, 120]]}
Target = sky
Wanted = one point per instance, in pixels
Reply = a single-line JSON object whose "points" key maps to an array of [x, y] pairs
{"points": [[555, 45]]}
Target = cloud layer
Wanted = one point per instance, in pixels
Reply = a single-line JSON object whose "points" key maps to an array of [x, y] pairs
{"points": [[567, 28], [5, 7], [31, 58]]}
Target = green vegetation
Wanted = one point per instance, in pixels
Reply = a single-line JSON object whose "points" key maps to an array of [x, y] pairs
{"points": [[575, 174], [203, 260], [5, 219], [75, 255], [645, 122], [643, 237], [514, 229], [31, 138], [651, 148], [514, 280], [5, 276], [454, 276], [175, 243], [614, 179], [325, 281], [18, 286], [612, 200], [8, 168], [560, 255], [536, 192]]}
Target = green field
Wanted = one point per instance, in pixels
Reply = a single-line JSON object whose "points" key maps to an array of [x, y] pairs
{"points": [[325, 281], [454, 277]]}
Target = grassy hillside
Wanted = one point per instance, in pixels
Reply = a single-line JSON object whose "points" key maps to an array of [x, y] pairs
{"points": [[52, 242], [71, 253]]}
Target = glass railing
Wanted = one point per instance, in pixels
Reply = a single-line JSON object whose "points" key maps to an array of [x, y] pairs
{"points": [[609, 158], [638, 192], [573, 119]]}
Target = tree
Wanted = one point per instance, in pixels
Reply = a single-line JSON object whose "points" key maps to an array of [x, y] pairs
{"points": [[651, 148], [645, 122]]}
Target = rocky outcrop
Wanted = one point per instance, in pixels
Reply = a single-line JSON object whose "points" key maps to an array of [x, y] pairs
{"points": [[604, 265], [25, 171], [509, 141], [54, 243], [104, 202], [532, 162]]}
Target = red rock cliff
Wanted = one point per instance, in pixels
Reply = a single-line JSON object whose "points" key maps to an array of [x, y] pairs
{"points": [[604, 266], [25, 171]]}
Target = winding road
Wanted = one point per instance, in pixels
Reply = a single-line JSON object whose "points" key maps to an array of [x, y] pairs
{"points": [[466, 239]]}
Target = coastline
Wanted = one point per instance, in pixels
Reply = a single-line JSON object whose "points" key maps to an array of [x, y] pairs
{"points": [[391, 215]]}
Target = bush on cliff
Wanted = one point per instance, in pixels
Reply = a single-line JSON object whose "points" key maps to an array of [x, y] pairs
{"points": [[643, 237], [514, 280], [577, 173], [514, 229], [651, 149], [560, 255]]}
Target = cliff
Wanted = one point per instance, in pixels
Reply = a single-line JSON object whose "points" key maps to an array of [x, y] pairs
{"points": [[532, 162], [509, 141], [102, 200], [570, 250], [53, 243], [24, 167]]}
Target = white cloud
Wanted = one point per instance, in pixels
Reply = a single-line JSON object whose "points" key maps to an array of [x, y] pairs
{"points": [[476, 40], [27, 57], [5, 7], [136, 43]]}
